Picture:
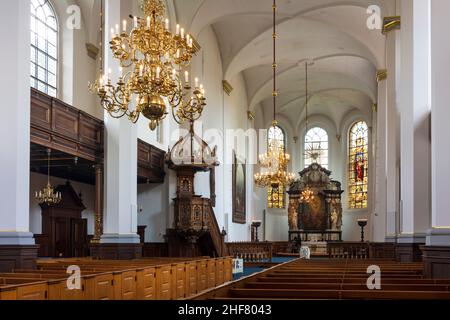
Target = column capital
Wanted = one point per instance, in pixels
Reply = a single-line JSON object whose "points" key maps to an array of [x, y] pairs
{"points": [[382, 74], [390, 24]]}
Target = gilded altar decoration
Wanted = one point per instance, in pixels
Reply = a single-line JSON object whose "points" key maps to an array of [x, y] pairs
{"points": [[152, 69], [321, 216], [358, 160]]}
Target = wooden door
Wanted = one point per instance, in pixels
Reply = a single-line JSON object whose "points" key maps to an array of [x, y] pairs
{"points": [[62, 238], [78, 237]]}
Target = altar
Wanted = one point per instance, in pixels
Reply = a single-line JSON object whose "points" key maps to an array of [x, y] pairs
{"points": [[318, 220], [317, 249]]}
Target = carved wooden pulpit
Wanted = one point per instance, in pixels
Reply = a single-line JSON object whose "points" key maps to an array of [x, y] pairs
{"points": [[192, 212], [320, 218]]}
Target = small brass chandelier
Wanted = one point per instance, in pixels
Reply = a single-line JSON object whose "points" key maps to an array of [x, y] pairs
{"points": [[48, 195], [308, 195], [275, 162], [152, 60]]}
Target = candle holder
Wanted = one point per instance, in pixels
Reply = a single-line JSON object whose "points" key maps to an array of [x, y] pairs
{"points": [[255, 226], [362, 223]]}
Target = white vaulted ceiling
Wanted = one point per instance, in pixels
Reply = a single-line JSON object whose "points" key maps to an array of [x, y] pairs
{"points": [[333, 33]]}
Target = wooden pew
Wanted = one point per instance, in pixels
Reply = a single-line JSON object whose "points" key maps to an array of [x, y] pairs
{"points": [[333, 279], [144, 279]]}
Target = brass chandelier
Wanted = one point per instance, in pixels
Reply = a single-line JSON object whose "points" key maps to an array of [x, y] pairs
{"points": [[308, 195], [275, 162], [152, 60], [48, 195]]}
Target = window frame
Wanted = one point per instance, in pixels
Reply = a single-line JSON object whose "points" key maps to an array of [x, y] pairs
{"points": [[34, 47], [351, 169], [306, 144]]}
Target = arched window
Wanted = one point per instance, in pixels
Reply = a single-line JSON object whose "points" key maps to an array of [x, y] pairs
{"points": [[276, 138], [44, 47], [358, 165], [316, 147]]}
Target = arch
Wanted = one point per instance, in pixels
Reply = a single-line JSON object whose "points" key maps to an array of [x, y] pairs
{"points": [[358, 165], [211, 12], [44, 42], [316, 147]]}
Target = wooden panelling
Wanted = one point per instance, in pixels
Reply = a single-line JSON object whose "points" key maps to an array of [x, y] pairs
{"points": [[436, 262], [128, 285], [146, 284], [179, 281], [33, 292], [41, 110], [58, 290], [100, 287], [164, 282], [191, 278], [150, 163], [64, 120], [202, 275], [155, 250], [61, 127], [91, 131], [8, 293], [211, 272], [228, 269], [219, 272]]}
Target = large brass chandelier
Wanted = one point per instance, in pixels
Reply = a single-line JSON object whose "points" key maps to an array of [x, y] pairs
{"points": [[152, 69], [48, 195], [274, 163], [308, 194]]}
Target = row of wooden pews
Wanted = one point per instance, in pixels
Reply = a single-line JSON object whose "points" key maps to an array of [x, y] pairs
{"points": [[331, 279], [144, 279]]}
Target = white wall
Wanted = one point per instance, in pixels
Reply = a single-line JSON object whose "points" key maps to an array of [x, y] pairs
{"points": [[76, 68], [39, 181], [153, 200]]}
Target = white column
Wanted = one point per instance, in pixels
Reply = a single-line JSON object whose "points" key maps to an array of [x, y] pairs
{"points": [[120, 222], [391, 139], [15, 124], [414, 115], [379, 219], [439, 235]]}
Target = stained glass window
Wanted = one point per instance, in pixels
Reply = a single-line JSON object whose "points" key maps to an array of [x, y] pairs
{"points": [[358, 165], [44, 47], [276, 138], [316, 147]]}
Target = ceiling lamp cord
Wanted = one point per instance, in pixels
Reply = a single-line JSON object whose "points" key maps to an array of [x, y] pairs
{"points": [[274, 64]]}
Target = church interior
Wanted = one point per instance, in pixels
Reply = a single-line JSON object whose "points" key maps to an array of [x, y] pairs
{"points": [[225, 150]]}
